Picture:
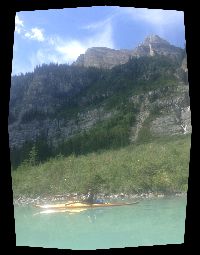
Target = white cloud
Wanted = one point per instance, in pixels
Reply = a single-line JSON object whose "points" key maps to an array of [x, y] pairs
{"points": [[70, 50], [99, 24], [104, 22], [35, 34], [42, 56], [64, 50], [103, 38], [156, 17], [67, 51], [162, 22], [62, 53], [18, 24]]}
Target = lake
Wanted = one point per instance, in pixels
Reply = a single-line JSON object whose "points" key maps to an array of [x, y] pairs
{"points": [[150, 222]]}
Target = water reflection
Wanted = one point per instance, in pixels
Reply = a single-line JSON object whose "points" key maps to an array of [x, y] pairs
{"points": [[91, 216], [69, 211], [87, 214]]}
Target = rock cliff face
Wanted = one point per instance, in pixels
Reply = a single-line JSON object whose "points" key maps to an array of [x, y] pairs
{"points": [[102, 57], [172, 106], [55, 130], [59, 102]]}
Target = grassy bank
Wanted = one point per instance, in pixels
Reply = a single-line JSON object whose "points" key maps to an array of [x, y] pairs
{"points": [[158, 166]]}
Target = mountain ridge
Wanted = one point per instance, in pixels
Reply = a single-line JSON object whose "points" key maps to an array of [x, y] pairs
{"points": [[103, 57]]}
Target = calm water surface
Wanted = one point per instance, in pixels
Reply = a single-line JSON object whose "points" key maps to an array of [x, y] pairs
{"points": [[150, 222]]}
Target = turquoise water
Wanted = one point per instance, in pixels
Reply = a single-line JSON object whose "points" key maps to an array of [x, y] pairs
{"points": [[150, 222]]}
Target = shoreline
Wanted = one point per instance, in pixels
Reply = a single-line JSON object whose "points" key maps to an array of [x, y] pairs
{"points": [[28, 200]]}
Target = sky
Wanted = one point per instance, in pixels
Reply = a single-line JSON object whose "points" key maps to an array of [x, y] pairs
{"points": [[60, 36]]}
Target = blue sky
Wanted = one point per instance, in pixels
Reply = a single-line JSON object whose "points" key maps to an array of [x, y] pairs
{"points": [[61, 35]]}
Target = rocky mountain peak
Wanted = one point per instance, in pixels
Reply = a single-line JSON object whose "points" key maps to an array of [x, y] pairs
{"points": [[155, 39], [153, 44]]}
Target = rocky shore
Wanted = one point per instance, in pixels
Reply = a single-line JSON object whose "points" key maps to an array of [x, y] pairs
{"points": [[25, 200]]}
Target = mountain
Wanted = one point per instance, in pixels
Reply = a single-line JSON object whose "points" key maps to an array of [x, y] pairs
{"points": [[83, 108], [102, 57]]}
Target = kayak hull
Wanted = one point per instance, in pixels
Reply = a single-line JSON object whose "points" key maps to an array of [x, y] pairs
{"points": [[77, 205]]}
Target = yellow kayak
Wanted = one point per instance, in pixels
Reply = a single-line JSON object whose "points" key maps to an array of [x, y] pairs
{"points": [[80, 205], [62, 210]]}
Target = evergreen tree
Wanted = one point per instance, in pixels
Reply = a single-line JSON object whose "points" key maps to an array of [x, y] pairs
{"points": [[33, 155]]}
